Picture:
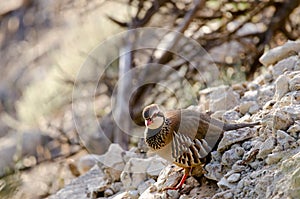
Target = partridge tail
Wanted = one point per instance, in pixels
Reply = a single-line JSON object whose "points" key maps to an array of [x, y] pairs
{"points": [[228, 127]]}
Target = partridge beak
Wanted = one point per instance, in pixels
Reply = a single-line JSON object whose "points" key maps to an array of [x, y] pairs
{"points": [[148, 122]]}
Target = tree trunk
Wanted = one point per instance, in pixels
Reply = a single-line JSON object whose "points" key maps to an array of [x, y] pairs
{"points": [[121, 109]]}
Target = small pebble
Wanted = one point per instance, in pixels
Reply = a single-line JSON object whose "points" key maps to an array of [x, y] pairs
{"points": [[234, 177]]}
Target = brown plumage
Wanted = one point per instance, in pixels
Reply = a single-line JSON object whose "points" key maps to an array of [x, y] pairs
{"points": [[184, 137]]}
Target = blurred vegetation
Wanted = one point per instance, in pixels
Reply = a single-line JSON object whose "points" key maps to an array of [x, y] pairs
{"points": [[52, 92], [9, 185]]}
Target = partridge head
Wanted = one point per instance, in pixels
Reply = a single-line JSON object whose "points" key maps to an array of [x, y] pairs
{"points": [[184, 137], [153, 117]]}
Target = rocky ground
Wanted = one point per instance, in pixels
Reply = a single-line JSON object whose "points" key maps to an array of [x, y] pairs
{"points": [[261, 162]]}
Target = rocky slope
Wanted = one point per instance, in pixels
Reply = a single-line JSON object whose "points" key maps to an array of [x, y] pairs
{"points": [[261, 162]]}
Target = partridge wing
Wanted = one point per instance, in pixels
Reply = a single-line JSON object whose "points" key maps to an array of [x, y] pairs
{"points": [[196, 125], [187, 152]]}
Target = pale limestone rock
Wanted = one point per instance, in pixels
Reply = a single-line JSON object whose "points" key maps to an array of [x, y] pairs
{"points": [[266, 93], [127, 155], [296, 97], [134, 194], [239, 150], [254, 109], [216, 156], [246, 118], [184, 197], [295, 178], [169, 177], [274, 158], [205, 191], [86, 162], [269, 105], [148, 194], [223, 195], [255, 164], [252, 86], [284, 139], [288, 183], [224, 101], [214, 171], [285, 65], [108, 192], [143, 186], [231, 116], [294, 130], [267, 78], [162, 178], [239, 88], [230, 157], [127, 195], [250, 95], [154, 191], [137, 170], [292, 112], [281, 120], [263, 183], [171, 194], [280, 53], [218, 98], [116, 186], [224, 184], [245, 106], [218, 114], [266, 147], [191, 183], [205, 96], [294, 83], [234, 178], [286, 100], [235, 136], [238, 167], [84, 186], [112, 162], [156, 164], [247, 145], [281, 86]]}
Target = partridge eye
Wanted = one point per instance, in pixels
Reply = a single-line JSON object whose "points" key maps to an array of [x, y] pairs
{"points": [[146, 114]]}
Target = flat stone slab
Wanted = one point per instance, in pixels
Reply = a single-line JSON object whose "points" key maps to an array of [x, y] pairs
{"points": [[81, 186]]}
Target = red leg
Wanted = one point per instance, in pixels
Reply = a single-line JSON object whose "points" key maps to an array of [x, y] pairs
{"points": [[186, 174]]}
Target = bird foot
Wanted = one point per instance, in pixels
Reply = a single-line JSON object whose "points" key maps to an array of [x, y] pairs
{"points": [[186, 173]]}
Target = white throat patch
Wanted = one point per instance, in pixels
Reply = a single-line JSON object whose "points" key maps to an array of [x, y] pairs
{"points": [[157, 122]]}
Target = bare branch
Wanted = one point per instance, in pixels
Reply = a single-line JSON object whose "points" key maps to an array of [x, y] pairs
{"points": [[122, 24], [181, 28]]}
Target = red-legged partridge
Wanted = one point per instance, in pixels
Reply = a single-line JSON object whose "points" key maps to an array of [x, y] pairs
{"points": [[184, 137]]}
